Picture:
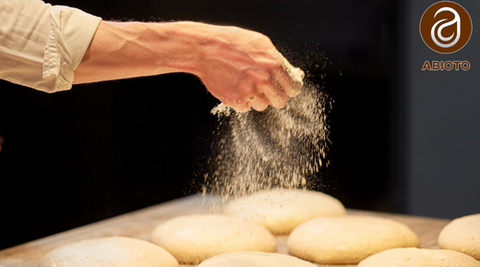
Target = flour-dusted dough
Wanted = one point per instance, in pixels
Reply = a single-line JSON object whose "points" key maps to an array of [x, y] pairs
{"points": [[109, 252], [254, 259], [194, 238], [348, 239], [419, 257], [281, 210], [463, 235]]}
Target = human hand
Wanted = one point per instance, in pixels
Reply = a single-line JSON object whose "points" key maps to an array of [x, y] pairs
{"points": [[244, 70], [241, 68]]}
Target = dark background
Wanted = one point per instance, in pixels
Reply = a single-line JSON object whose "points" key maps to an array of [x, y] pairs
{"points": [[442, 129], [104, 149]]}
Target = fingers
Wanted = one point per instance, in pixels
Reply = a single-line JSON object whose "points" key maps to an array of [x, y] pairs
{"points": [[289, 78], [284, 83], [249, 97], [274, 94], [278, 81], [272, 88], [238, 105], [254, 76], [242, 99], [258, 102]]}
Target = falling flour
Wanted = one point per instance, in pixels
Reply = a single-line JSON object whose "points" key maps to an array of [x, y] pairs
{"points": [[270, 149]]}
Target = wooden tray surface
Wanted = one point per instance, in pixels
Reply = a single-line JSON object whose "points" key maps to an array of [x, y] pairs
{"points": [[139, 224]]}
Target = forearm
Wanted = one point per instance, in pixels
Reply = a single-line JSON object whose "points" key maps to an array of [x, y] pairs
{"points": [[126, 50]]}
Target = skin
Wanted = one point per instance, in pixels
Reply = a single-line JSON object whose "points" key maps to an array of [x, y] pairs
{"points": [[241, 68]]}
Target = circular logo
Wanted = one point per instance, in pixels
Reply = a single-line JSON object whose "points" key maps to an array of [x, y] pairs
{"points": [[446, 27]]}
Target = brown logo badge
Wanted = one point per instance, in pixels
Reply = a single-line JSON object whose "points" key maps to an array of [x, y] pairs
{"points": [[446, 27]]}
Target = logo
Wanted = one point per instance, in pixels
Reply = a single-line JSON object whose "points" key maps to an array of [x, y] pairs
{"points": [[446, 27]]}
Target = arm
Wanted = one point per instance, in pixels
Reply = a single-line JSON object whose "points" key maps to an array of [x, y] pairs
{"points": [[239, 67]]}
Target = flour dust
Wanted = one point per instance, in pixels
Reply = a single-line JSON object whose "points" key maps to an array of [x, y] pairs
{"points": [[276, 148]]}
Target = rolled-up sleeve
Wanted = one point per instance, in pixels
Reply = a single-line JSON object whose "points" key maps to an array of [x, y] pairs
{"points": [[41, 45]]}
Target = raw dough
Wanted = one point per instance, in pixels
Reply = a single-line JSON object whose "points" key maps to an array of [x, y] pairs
{"points": [[109, 252], [415, 257], [463, 235], [281, 210], [348, 239], [194, 238], [254, 259]]}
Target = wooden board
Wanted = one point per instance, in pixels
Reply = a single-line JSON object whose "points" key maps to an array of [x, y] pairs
{"points": [[139, 224]]}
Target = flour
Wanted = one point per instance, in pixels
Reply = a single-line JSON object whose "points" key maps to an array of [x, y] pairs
{"points": [[276, 148]]}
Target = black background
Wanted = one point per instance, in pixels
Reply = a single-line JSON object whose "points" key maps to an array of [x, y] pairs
{"points": [[103, 149]]}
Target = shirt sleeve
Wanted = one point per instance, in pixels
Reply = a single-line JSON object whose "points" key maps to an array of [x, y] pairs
{"points": [[41, 45]]}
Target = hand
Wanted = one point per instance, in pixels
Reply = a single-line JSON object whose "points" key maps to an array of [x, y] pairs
{"points": [[244, 70], [241, 68]]}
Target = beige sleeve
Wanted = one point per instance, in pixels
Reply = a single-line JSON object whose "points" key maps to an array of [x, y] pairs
{"points": [[42, 45]]}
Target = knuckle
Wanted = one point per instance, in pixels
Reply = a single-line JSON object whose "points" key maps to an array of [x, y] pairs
{"points": [[264, 38]]}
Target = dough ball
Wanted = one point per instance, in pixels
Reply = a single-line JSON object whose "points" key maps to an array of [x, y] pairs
{"points": [[281, 210], [254, 259], [463, 235], [109, 252], [194, 238], [415, 257], [348, 239]]}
